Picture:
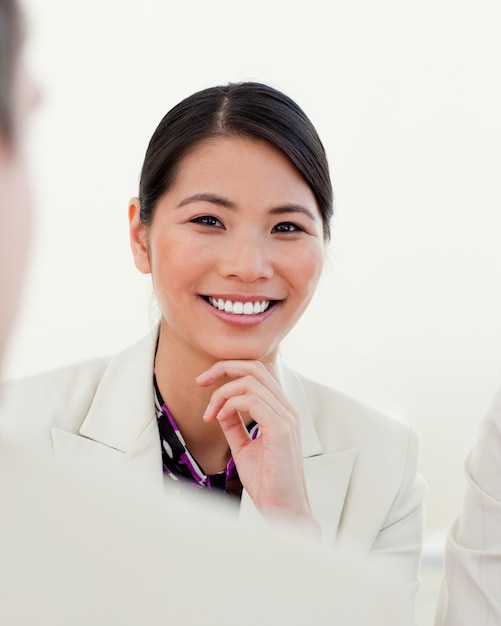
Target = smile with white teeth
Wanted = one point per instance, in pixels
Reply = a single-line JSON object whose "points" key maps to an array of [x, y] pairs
{"points": [[239, 308]]}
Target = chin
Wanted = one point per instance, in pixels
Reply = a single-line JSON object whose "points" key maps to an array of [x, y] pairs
{"points": [[242, 353]]}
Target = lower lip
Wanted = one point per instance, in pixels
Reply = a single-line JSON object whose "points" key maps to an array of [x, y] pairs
{"points": [[241, 320]]}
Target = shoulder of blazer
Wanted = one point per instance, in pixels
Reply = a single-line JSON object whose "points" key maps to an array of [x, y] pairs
{"points": [[39, 401], [63, 397], [343, 422]]}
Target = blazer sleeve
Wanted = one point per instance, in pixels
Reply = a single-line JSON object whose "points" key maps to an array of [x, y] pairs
{"points": [[398, 544], [471, 587]]}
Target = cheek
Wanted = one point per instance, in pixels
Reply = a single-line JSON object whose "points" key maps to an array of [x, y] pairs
{"points": [[308, 268], [177, 250], [15, 236], [15, 216], [175, 262]]}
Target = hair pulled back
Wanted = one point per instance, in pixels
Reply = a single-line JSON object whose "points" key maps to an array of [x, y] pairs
{"points": [[245, 109]]}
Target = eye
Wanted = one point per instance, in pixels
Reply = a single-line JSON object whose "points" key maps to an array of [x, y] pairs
{"points": [[287, 227], [207, 220]]}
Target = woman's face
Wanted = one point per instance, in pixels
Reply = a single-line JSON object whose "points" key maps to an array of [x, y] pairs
{"points": [[235, 250]]}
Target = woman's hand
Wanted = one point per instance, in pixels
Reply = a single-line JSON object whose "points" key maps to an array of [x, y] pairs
{"points": [[270, 467]]}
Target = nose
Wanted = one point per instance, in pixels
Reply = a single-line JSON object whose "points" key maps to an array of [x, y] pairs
{"points": [[247, 259]]}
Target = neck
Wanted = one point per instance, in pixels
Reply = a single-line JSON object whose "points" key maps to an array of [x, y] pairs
{"points": [[176, 369]]}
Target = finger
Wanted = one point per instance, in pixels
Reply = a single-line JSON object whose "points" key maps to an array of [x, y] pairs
{"points": [[265, 372], [271, 427], [234, 430], [249, 386]]}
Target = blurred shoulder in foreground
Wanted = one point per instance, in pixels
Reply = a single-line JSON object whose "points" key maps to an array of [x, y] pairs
{"points": [[471, 591], [80, 550]]}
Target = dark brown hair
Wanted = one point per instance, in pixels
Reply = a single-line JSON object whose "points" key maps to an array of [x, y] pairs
{"points": [[246, 109]]}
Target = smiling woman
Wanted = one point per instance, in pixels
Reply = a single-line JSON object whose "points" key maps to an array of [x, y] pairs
{"points": [[232, 221]]}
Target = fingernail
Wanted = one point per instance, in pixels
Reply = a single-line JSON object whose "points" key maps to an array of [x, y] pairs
{"points": [[207, 413]]}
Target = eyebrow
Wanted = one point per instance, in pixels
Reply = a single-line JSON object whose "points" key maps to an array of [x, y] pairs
{"points": [[292, 208], [208, 197], [228, 204]]}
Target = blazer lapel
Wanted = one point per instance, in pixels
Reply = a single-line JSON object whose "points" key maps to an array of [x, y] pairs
{"points": [[120, 430], [327, 474], [327, 479]]}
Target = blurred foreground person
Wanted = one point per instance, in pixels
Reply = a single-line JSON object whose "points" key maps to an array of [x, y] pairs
{"points": [[18, 96], [471, 588]]}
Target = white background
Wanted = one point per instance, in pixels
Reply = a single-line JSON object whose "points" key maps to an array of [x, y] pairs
{"points": [[406, 97]]}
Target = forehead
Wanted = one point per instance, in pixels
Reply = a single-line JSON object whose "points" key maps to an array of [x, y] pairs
{"points": [[241, 164], [222, 146]]}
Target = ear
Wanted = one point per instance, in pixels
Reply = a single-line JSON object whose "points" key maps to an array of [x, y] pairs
{"points": [[138, 238]]}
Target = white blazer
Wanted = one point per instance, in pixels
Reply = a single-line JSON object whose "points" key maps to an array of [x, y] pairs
{"points": [[471, 587], [361, 467]]}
